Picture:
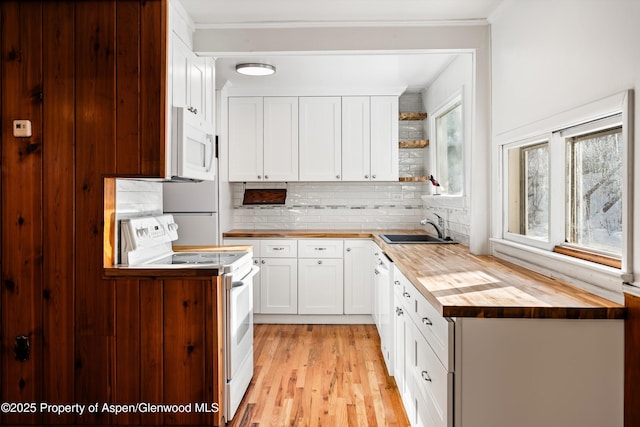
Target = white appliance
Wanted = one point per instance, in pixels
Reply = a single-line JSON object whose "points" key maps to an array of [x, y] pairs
{"points": [[194, 206], [193, 147], [146, 242]]}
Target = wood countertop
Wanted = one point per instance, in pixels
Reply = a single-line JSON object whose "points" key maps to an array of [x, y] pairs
{"points": [[460, 284], [181, 272]]}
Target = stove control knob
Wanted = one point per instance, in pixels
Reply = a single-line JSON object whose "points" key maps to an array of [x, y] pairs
{"points": [[172, 226]]}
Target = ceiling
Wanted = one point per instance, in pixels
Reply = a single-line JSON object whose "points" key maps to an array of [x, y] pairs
{"points": [[338, 72], [414, 71]]}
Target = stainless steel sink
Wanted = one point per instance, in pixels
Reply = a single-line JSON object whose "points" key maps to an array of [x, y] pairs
{"points": [[414, 239]]}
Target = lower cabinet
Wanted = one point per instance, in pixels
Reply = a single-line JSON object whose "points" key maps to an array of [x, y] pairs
{"points": [[502, 372], [311, 276], [320, 286], [279, 286]]}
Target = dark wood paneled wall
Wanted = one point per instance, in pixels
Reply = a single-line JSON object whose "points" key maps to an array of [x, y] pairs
{"points": [[90, 75]]}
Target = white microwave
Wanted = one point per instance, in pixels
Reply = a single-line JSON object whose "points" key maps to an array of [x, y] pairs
{"points": [[193, 147]]}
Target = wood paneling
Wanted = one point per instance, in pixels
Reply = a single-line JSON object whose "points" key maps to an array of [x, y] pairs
{"points": [[95, 156], [22, 205], [632, 362], [151, 347], [59, 200]]}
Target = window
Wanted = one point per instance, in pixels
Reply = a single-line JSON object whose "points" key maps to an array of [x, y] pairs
{"points": [[594, 190], [449, 157], [529, 190], [564, 191]]}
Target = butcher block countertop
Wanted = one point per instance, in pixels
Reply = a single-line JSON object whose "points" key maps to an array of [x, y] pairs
{"points": [[459, 284]]}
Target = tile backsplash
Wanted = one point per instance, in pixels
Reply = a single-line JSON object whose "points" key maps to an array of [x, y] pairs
{"points": [[356, 205]]}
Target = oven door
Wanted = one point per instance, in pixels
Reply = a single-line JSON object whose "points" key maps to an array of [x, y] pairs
{"points": [[239, 339]]}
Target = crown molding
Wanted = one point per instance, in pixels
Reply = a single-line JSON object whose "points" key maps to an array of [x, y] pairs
{"points": [[342, 24]]}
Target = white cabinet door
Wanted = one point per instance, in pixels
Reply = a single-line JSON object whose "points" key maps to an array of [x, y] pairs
{"points": [[280, 139], [245, 139], [320, 286], [179, 72], [279, 285], [358, 277], [356, 138], [320, 138], [399, 325], [197, 85], [384, 138]]}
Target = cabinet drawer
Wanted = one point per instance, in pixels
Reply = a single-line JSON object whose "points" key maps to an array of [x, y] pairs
{"points": [[437, 330], [429, 383], [279, 248], [320, 248]]}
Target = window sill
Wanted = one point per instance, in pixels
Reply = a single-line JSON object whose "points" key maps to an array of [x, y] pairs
{"points": [[444, 201], [596, 278]]}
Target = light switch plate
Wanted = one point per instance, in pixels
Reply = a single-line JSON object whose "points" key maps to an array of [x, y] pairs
{"points": [[22, 128]]}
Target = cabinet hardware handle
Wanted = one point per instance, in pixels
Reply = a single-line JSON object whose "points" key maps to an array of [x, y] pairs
{"points": [[259, 177], [396, 282], [376, 271], [278, 249], [376, 254], [348, 249], [425, 376], [366, 177], [319, 262], [255, 261], [399, 311], [320, 249], [337, 176], [373, 176], [427, 321], [266, 177], [264, 262], [406, 295]]}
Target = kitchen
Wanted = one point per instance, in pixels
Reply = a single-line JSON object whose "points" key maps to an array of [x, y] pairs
{"points": [[79, 298]]}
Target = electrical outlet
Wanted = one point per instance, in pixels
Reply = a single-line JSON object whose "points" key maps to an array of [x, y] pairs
{"points": [[22, 128]]}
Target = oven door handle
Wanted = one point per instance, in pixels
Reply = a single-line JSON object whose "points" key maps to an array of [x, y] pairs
{"points": [[254, 270]]}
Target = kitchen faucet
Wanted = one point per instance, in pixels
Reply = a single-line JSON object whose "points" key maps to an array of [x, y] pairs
{"points": [[438, 229]]}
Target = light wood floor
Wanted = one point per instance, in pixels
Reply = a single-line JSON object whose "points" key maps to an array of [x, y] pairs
{"points": [[319, 375]]}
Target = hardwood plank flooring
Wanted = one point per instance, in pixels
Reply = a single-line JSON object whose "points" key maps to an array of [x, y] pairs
{"points": [[319, 375]]}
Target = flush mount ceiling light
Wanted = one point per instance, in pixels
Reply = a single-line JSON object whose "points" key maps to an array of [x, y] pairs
{"points": [[255, 69]]}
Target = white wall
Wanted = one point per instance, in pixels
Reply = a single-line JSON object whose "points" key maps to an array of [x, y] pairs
{"points": [[550, 56], [457, 78]]}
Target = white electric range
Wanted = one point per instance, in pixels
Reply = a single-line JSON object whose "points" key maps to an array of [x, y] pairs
{"points": [[146, 242]]}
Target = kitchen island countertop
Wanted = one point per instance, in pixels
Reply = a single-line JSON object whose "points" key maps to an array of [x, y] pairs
{"points": [[460, 284]]}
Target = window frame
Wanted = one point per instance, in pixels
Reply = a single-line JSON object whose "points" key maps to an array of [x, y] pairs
{"points": [[452, 102], [597, 277]]}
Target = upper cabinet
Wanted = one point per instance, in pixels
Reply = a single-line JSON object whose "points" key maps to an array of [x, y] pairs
{"points": [[192, 81], [369, 138], [320, 138], [263, 139]]}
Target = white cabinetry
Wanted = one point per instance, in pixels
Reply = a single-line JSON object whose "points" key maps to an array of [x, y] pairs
{"points": [[263, 138], [245, 130], [383, 271], [384, 138], [320, 277], [192, 80], [279, 279], [358, 277], [320, 138], [370, 138], [280, 139]]}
